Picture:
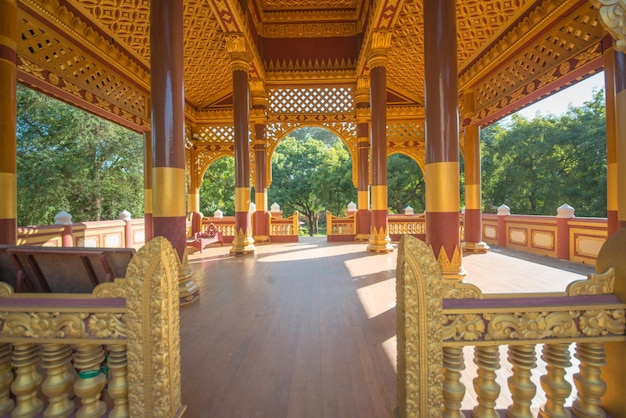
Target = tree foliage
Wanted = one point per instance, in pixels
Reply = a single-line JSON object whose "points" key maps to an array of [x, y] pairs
{"points": [[218, 188], [312, 171], [535, 166], [405, 184], [70, 160]]}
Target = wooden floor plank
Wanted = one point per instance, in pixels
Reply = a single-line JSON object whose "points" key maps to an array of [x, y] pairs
{"points": [[308, 329]]}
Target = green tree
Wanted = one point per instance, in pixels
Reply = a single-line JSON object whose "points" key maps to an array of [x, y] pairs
{"points": [[218, 187], [535, 166], [71, 160], [405, 184], [293, 166], [332, 181]]}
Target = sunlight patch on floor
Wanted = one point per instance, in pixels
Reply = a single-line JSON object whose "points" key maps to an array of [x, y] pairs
{"points": [[377, 298], [390, 346]]}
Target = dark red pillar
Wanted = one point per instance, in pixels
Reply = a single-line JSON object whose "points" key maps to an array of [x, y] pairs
{"points": [[168, 128], [243, 242], [8, 123], [442, 136], [379, 226]]}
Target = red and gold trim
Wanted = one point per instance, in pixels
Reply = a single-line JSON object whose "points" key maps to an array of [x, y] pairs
{"points": [[611, 138], [8, 122], [442, 187], [620, 108]]}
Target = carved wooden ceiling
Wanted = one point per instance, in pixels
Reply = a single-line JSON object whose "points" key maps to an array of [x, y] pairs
{"points": [[96, 53]]}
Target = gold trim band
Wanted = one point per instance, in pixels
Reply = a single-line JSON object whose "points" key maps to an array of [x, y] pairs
{"points": [[147, 200], [168, 187], [611, 186], [620, 106], [8, 185], [472, 196], [260, 199], [193, 202], [442, 187], [363, 199], [379, 197], [242, 199]]}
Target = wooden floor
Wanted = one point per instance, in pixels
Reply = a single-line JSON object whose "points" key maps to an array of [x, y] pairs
{"points": [[308, 329]]}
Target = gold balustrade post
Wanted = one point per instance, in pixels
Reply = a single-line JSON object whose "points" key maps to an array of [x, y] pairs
{"points": [[453, 389], [487, 390], [523, 390], [588, 382], [91, 380], [555, 386], [6, 378], [118, 382], [59, 381], [27, 380]]}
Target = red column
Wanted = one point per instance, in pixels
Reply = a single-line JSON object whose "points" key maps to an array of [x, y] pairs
{"points": [[379, 227], [261, 216], [243, 242], [611, 151], [442, 136], [168, 132], [473, 212], [620, 144], [8, 122], [147, 187], [363, 212]]}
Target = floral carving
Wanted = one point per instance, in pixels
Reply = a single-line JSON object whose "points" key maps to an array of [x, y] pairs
{"points": [[595, 284], [613, 17], [44, 325]]}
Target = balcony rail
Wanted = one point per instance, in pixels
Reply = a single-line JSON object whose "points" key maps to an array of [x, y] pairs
{"points": [[437, 319], [568, 238], [340, 228], [225, 225], [111, 234], [281, 229], [284, 229], [115, 351], [407, 224]]}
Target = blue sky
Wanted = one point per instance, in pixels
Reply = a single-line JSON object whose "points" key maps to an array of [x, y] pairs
{"points": [[575, 95]]}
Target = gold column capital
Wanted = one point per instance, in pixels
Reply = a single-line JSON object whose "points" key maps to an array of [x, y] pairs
{"points": [[258, 94], [237, 48], [362, 92], [380, 43]]}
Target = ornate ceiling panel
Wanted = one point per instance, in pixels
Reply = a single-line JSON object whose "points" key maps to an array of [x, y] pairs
{"points": [[505, 48], [207, 70], [479, 24]]}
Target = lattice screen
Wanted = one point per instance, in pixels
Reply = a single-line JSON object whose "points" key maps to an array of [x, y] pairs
{"points": [[531, 63], [307, 101], [216, 133]]}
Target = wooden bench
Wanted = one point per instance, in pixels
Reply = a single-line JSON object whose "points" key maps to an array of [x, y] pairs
{"points": [[61, 270], [211, 235]]}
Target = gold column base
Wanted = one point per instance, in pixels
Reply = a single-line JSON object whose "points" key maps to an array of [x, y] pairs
{"points": [[242, 244], [261, 238], [362, 237], [188, 290], [455, 273], [380, 244], [475, 247]]}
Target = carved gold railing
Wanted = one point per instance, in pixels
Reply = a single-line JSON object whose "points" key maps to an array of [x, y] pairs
{"points": [[225, 225], [407, 225], [114, 351], [340, 228], [438, 319], [284, 229]]}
